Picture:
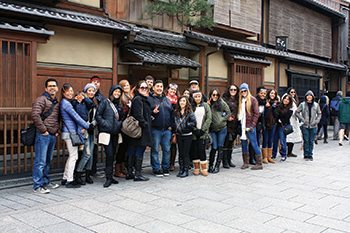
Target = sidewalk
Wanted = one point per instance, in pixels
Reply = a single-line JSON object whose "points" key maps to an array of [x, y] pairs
{"points": [[295, 196]]}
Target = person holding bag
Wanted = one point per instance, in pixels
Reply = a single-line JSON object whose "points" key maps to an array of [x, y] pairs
{"points": [[70, 119], [271, 104], [282, 115], [108, 116], [141, 111]]}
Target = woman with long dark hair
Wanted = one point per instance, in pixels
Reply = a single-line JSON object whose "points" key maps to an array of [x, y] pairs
{"points": [[70, 119], [185, 121], [248, 114], [109, 117], [231, 98], [283, 113], [220, 113]]}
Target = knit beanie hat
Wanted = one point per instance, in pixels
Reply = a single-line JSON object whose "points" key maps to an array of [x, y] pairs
{"points": [[89, 85], [244, 86], [95, 77]]}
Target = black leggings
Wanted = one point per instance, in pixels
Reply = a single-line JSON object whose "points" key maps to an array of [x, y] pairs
{"points": [[198, 150], [184, 144], [110, 150], [122, 149], [325, 132]]}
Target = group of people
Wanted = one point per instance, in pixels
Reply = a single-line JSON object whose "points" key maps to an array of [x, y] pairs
{"points": [[178, 124]]}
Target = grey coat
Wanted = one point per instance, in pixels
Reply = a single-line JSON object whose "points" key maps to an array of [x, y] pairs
{"points": [[303, 115]]}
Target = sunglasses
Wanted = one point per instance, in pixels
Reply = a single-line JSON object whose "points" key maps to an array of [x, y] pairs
{"points": [[143, 88], [292, 92], [242, 91], [215, 95], [233, 89]]}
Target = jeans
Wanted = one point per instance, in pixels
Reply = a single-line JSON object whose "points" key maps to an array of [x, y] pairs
{"points": [[136, 150], [160, 138], [87, 154], [70, 163], [253, 142], [218, 138], [279, 136], [336, 127], [268, 137], [44, 147], [309, 135]]}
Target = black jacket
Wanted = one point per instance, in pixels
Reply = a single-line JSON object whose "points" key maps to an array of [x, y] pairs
{"points": [[106, 118], [141, 110], [232, 126], [282, 119], [187, 124]]}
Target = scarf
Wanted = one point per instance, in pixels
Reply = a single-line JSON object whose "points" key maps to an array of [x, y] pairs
{"points": [[172, 100], [242, 118]]}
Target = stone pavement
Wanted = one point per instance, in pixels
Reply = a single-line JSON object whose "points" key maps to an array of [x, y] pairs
{"points": [[295, 196]]}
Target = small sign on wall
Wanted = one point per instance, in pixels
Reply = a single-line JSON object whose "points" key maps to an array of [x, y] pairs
{"points": [[281, 43]]}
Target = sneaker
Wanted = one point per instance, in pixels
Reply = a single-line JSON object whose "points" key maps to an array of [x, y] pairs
{"points": [[42, 190], [283, 159], [98, 175], [341, 143], [346, 138], [166, 172], [158, 173], [311, 159], [52, 186], [306, 158]]}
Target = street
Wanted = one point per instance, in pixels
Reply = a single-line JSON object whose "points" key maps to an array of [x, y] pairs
{"points": [[295, 196]]}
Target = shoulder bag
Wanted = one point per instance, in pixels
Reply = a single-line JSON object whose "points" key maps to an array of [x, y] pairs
{"points": [[131, 127], [288, 129], [174, 139], [76, 141]]}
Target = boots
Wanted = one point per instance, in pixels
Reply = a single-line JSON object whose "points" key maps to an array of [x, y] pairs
{"points": [[130, 167], [118, 171], [251, 155], [258, 166], [186, 165], [229, 158], [211, 159], [138, 167], [316, 138], [325, 140], [196, 167], [172, 157], [181, 166], [123, 170], [269, 155], [218, 160], [109, 177], [88, 177], [225, 163], [245, 157], [290, 149], [264, 155], [204, 168], [78, 178]]}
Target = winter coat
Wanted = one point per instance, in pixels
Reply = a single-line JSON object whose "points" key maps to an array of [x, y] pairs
{"points": [[232, 126], [99, 97], [71, 118], [83, 107], [42, 105], [185, 124], [219, 118], [252, 119], [282, 119], [296, 135], [141, 111], [303, 115], [206, 122], [165, 117], [344, 111], [106, 118], [335, 103], [261, 107], [325, 110]]}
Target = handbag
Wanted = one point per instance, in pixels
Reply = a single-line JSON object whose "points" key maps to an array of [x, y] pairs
{"points": [[131, 127], [28, 135], [74, 137], [288, 129], [208, 141]]}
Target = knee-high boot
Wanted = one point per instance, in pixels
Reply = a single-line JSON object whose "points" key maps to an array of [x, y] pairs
{"points": [[130, 167], [218, 160], [225, 163], [138, 167], [258, 166], [229, 156], [269, 155], [181, 166], [245, 157], [211, 160], [251, 155]]}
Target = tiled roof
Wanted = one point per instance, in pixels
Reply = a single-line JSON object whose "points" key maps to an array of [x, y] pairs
{"points": [[25, 28], [254, 48], [59, 14], [155, 57], [324, 7], [249, 58], [164, 38]]}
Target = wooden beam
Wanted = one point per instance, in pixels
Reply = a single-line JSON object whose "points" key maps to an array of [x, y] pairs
{"points": [[202, 69], [115, 60], [33, 75]]}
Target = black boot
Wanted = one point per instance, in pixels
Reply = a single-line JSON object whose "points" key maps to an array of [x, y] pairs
{"points": [[225, 163], [251, 155], [181, 166], [109, 177], [229, 156], [218, 160], [130, 167], [138, 167], [88, 177], [78, 178], [186, 166], [211, 160]]}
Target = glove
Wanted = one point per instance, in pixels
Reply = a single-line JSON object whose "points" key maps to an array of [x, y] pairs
{"points": [[196, 133], [201, 132], [91, 129]]}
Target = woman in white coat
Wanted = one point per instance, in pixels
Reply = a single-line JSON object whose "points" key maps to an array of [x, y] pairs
{"points": [[294, 137]]}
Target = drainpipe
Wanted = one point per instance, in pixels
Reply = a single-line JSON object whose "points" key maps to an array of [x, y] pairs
{"points": [[218, 46]]}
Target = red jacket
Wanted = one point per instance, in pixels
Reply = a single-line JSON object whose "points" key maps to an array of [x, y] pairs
{"points": [[252, 119]]}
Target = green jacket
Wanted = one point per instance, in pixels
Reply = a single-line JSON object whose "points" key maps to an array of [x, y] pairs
{"points": [[205, 123], [344, 111], [219, 118]]}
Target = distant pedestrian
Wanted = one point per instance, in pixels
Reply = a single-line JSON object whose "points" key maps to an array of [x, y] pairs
{"points": [[271, 104], [334, 110], [344, 117], [324, 119], [194, 86]]}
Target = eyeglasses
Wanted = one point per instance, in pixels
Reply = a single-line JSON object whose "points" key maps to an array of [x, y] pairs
{"points": [[242, 91], [143, 88], [215, 95], [233, 89], [52, 86]]}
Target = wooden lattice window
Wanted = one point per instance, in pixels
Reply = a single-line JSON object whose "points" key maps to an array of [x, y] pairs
{"points": [[252, 75]]}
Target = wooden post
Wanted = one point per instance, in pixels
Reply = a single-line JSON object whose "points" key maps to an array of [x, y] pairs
{"points": [[115, 61], [202, 69], [33, 73]]}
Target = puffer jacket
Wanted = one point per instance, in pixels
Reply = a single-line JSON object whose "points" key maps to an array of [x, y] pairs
{"points": [[71, 118], [187, 124], [165, 117], [344, 110], [219, 118], [42, 105], [106, 118], [206, 122]]}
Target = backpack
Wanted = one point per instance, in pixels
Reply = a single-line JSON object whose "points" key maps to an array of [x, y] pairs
{"points": [[334, 107]]}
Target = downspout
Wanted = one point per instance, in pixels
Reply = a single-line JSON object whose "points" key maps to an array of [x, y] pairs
{"points": [[218, 46]]}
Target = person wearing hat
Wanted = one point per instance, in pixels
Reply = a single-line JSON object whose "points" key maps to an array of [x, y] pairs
{"points": [[89, 116], [309, 114], [248, 114], [109, 115], [194, 86], [344, 117]]}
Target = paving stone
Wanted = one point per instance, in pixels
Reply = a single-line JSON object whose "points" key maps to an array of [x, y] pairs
{"points": [[83, 218], [335, 213], [206, 226], [287, 213], [170, 216], [133, 205], [92, 205], [248, 225], [18, 228], [64, 227], [218, 217], [59, 208], [333, 231], [331, 223], [164, 227], [37, 218], [113, 226], [294, 225], [127, 217]]}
